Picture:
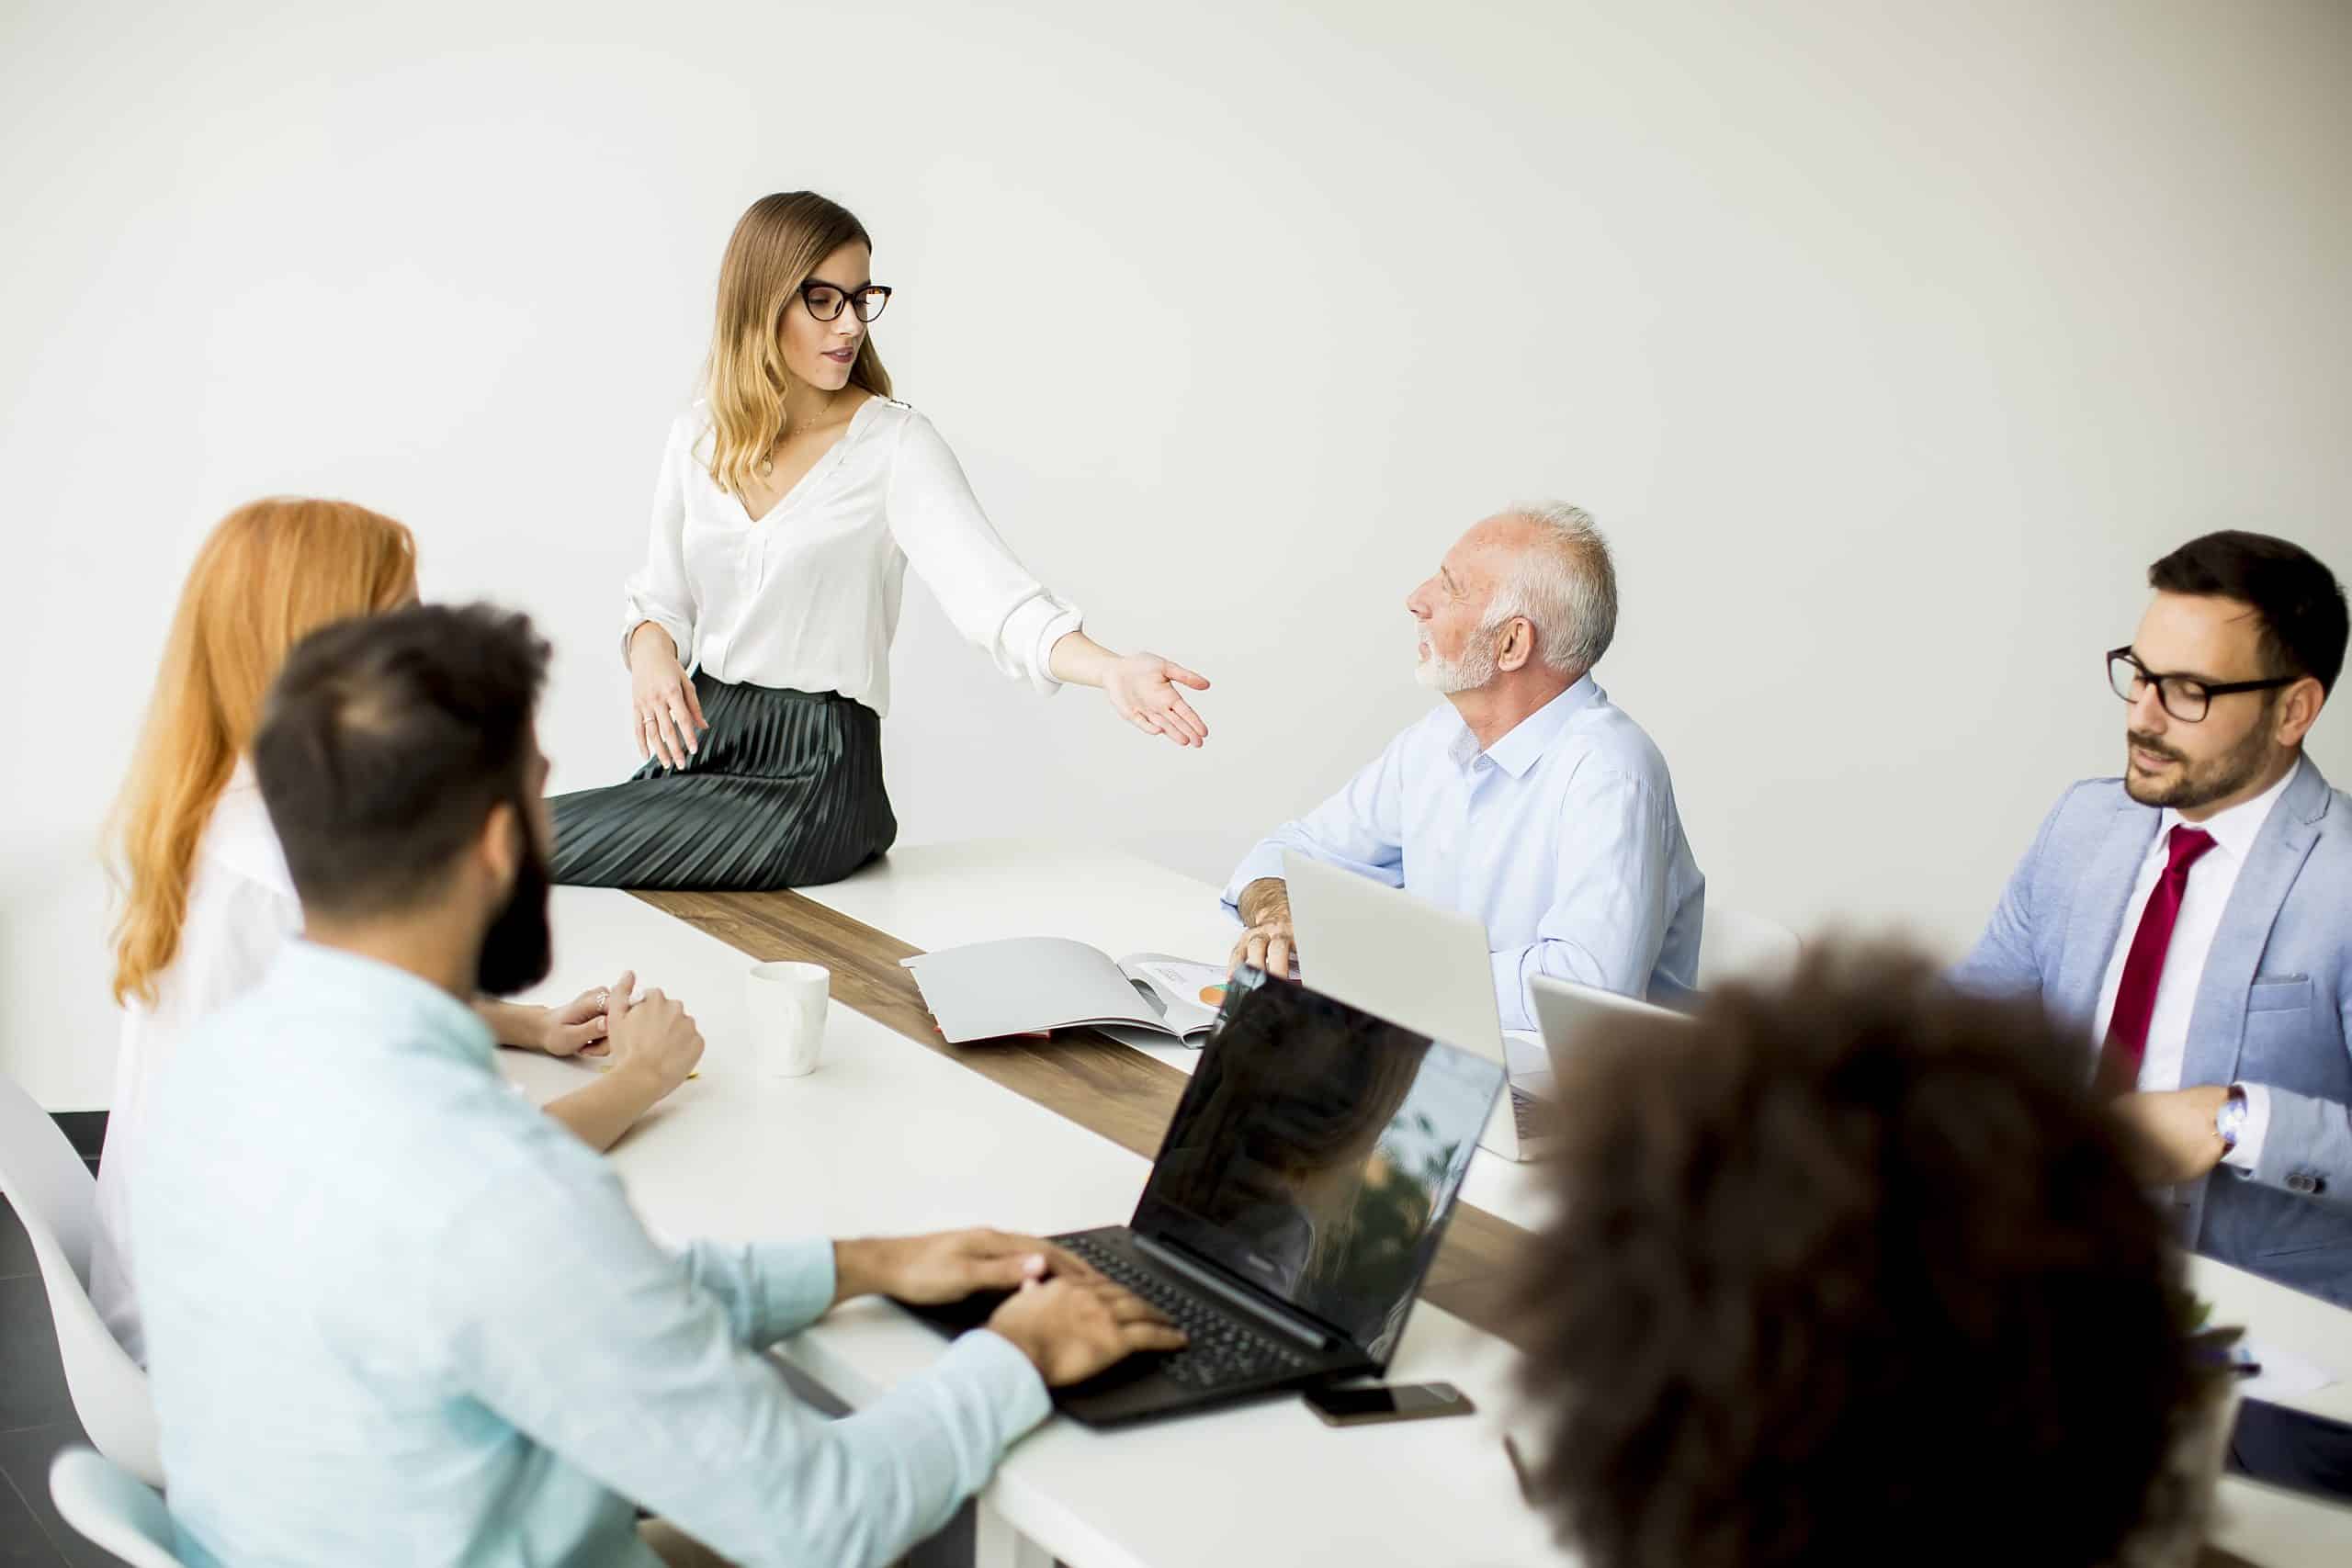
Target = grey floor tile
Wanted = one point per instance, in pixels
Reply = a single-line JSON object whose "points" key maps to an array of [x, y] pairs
{"points": [[16, 1246], [23, 1542], [32, 1380], [23, 1466]]}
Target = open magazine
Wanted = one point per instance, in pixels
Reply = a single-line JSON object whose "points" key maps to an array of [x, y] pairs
{"points": [[1024, 985]]}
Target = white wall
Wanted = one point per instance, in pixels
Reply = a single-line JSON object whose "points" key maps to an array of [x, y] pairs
{"points": [[1889, 344]]}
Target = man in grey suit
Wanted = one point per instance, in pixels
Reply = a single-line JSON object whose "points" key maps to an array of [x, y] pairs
{"points": [[2194, 917]]}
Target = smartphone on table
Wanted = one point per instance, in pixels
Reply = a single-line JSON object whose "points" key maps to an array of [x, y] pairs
{"points": [[1366, 1404], [2292, 1448]]}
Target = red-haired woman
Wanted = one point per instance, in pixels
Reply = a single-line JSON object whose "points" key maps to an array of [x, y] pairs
{"points": [[207, 903]]}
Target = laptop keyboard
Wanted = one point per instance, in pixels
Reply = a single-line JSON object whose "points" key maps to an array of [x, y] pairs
{"points": [[1526, 1113], [1224, 1349]]}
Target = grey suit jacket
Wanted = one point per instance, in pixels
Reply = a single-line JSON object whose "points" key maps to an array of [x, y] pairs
{"points": [[2274, 1006]]}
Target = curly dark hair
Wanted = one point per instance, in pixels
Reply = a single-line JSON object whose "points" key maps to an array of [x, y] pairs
{"points": [[1851, 1270]]}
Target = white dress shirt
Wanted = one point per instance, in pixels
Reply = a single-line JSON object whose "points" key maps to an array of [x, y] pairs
{"points": [[2211, 879], [806, 597], [242, 911], [1562, 837]]}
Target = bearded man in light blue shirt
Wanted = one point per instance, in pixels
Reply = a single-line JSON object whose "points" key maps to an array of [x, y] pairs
{"points": [[397, 1316], [1527, 799]]}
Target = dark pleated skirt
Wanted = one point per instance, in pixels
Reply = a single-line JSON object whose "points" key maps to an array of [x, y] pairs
{"points": [[786, 792]]}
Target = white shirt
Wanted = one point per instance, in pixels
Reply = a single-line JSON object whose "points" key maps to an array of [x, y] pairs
{"points": [[2211, 879], [242, 911], [807, 597]]}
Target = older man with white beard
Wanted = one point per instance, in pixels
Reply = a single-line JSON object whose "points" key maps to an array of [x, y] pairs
{"points": [[1526, 798]]}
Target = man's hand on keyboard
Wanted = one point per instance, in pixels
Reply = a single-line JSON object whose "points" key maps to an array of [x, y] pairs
{"points": [[1072, 1327], [947, 1267]]}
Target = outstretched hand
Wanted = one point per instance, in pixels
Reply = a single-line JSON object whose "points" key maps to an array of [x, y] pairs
{"points": [[1142, 688]]}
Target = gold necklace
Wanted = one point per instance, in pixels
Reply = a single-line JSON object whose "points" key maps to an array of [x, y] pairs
{"points": [[767, 463]]}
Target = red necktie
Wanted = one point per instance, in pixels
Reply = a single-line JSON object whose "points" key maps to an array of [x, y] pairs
{"points": [[2135, 999]]}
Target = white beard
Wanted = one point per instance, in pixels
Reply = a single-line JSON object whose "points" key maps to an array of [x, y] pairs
{"points": [[1467, 673]]}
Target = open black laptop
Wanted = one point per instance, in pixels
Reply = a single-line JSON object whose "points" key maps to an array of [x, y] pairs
{"points": [[1299, 1197]]}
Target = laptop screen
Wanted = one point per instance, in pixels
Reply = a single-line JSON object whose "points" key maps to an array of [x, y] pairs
{"points": [[1316, 1154]]}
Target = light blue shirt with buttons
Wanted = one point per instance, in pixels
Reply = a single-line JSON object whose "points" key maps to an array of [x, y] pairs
{"points": [[396, 1315], [1563, 837]]}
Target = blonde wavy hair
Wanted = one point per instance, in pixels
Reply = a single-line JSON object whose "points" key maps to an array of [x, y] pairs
{"points": [[775, 247], [269, 574]]}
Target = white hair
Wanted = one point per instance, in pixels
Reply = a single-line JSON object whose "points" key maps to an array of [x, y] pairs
{"points": [[1564, 583]]}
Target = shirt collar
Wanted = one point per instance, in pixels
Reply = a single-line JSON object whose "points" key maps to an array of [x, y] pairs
{"points": [[406, 1012], [1528, 739], [2236, 828]]}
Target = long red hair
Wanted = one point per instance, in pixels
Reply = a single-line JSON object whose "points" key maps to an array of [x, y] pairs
{"points": [[269, 574]]}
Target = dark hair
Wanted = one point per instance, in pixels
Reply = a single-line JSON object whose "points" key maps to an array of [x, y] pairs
{"points": [[2298, 601], [385, 743], [1854, 1262]]}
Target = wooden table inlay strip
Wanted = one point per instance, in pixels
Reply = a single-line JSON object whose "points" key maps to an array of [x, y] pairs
{"points": [[1092, 1079]]}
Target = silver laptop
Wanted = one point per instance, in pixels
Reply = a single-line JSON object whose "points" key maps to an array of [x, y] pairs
{"points": [[1571, 1016], [1407, 960]]}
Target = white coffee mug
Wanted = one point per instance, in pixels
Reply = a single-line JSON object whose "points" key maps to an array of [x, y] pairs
{"points": [[785, 1004]]}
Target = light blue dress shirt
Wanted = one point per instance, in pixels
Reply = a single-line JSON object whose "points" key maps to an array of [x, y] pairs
{"points": [[1562, 837], [395, 1315]]}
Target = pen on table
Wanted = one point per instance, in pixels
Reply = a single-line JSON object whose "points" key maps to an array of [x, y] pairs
{"points": [[2229, 1358]]}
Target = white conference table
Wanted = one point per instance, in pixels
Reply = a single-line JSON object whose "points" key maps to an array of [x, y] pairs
{"points": [[889, 1137]]}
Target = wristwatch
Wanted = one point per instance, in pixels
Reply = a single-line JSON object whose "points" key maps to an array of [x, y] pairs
{"points": [[2230, 1120]]}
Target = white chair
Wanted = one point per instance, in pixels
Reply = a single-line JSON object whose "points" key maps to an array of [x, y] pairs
{"points": [[1735, 945], [112, 1507], [54, 1195]]}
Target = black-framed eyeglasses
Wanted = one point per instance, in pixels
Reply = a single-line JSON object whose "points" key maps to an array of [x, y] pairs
{"points": [[2185, 697], [825, 302]]}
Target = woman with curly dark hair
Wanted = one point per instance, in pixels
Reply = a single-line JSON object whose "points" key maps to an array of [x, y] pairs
{"points": [[1855, 1271]]}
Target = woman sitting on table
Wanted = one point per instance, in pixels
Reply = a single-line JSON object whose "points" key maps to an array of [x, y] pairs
{"points": [[207, 901], [790, 501]]}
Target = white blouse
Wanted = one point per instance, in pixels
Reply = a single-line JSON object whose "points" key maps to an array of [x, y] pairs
{"points": [[807, 597], [242, 911]]}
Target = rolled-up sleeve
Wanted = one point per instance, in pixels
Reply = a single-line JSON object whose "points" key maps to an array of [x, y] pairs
{"points": [[768, 1289], [1362, 829], [642, 1368], [1607, 921], [658, 590], [989, 596]]}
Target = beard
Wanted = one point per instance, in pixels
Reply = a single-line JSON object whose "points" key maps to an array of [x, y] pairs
{"points": [[1473, 670], [519, 949], [2198, 783]]}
